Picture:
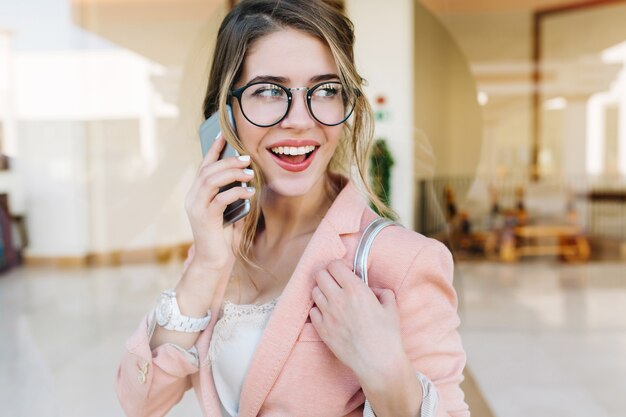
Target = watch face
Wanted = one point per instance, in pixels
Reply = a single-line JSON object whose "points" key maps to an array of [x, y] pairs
{"points": [[164, 310]]}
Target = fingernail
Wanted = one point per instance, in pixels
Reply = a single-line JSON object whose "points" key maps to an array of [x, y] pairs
{"points": [[248, 171], [251, 190], [244, 158], [218, 135]]}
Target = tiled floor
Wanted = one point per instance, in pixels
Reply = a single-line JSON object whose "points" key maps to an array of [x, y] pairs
{"points": [[547, 340], [63, 335], [543, 340]]}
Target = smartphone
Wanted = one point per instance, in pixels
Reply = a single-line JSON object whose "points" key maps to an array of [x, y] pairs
{"points": [[209, 130]]}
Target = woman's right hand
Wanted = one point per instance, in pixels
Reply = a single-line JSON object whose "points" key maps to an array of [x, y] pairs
{"points": [[211, 257], [205, 205]]}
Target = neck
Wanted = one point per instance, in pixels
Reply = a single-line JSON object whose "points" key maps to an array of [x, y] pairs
{"points": [[289, 218]]}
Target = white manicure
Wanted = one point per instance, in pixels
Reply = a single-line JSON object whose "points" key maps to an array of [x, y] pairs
{"points": [[244, 158], [218, 135]]}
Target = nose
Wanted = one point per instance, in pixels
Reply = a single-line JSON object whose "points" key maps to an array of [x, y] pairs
{"points": [[298, 116]]}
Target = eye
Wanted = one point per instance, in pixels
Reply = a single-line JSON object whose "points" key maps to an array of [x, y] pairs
{"points": [[328, 90], [268, 90]]}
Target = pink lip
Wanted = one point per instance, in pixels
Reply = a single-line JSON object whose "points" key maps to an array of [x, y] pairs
{"points": [[294, 167]]}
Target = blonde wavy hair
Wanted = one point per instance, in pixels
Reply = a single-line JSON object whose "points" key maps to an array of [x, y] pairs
{"points": [[249, 21]]}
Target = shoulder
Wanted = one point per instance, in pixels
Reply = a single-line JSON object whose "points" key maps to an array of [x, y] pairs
{"points": [[398, 253]]}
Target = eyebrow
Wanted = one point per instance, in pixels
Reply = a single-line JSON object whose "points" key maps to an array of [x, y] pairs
{"points": [[284, 80]]}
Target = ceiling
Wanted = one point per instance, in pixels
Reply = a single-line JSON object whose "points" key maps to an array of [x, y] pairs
{"points": [[163, 30], [478, 6], [160, 30]]}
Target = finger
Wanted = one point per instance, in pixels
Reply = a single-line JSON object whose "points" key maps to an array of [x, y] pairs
{"points": [[341, 271], [206, 189], [207, 172], [212, 167], [319, 298], [327, 284], [223, 199], [386, 297], [316, 317], [225, 177], [214, 151]]}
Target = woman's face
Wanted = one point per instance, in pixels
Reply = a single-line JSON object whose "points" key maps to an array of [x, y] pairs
{"points": [[292, 59]]}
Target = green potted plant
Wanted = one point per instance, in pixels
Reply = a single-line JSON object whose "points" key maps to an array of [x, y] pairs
{"points": [[381, 162]]}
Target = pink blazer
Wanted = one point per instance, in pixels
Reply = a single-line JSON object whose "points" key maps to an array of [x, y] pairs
{"points": [[293, 373]]}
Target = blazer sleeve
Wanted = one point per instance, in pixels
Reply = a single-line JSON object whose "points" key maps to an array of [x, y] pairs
{"points": [[150, 382], [427, 303]]}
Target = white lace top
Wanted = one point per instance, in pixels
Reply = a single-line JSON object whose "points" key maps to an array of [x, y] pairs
{"points": [[234, 340]]}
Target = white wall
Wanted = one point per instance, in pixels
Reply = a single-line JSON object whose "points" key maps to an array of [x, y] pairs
{"points": [[446, 108], [106, 138], [55, 179], [384, 56], [88, 148], [85, 85]]}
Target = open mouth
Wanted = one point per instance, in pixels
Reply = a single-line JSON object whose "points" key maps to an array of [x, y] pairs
{"points": [[293, 158], [294, 155]]}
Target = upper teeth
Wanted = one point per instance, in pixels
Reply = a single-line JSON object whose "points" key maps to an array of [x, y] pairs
{"points": [[290, 150]]}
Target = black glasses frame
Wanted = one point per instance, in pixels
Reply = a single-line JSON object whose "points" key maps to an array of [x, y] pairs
{"points": [[237, 93]]}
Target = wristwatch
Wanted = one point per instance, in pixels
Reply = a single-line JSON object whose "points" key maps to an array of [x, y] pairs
{"points": [[168, 315]]}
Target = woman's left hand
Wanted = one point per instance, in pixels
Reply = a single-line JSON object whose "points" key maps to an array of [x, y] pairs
{"points": [[359, 324]]}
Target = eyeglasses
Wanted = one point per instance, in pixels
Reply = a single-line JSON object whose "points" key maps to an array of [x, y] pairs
{"points": [[266, 104]]}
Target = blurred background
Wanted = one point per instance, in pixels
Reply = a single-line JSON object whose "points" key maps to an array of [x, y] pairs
{"points": [[501, 129]]}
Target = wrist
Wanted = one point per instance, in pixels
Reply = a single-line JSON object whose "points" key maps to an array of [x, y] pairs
{"points": [[197, 286], [204, 276], [378, 376], [198, 266], [395, 390], [192, 303], [195, 290]]}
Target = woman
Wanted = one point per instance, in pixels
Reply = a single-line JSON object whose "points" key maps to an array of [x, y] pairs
{"points": [[290, 330]]}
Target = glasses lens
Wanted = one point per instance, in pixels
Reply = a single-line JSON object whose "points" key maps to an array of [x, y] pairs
{"points": [[264, 104], [330, 103]]}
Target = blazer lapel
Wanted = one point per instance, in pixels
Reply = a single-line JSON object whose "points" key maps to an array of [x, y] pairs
{"points": [[293, 306]]}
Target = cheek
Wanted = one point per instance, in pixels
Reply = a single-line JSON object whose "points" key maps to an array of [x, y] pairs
{"points": [[249, 134], [334, 135], [246, 135]]}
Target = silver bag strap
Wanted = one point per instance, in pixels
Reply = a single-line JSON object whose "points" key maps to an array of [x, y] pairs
{"points": [[430, 398], [365, 244]]}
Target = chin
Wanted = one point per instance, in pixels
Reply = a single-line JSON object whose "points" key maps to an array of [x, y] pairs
{"points": [[291, 187]]}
